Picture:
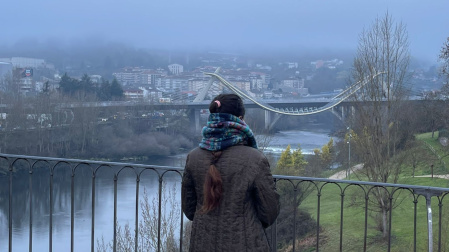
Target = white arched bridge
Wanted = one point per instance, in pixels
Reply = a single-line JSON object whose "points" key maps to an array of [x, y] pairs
{"points": [[269, 122], [334, 101]]}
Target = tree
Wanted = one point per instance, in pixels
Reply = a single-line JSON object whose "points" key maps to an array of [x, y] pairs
{"points": [[432, 113], [110, 90], [85, 86], [384, 48], [67, 84], [116, 89], [292, 163], [322, 159], [104, 92], [327, 154], [444, 57], [444, 71]]}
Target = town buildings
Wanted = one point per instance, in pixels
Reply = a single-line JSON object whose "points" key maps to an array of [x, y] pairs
{"points": [[175, 81]]}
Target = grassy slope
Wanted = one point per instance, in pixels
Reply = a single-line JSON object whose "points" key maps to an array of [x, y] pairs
{"points": [[402, 215]]}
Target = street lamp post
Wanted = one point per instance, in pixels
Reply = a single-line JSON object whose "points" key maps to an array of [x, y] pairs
{"points": [[349, 154]]}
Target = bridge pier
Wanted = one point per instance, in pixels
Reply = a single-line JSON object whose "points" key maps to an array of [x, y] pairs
{"points": [[267, 119], [194, 115], [342, 111]]}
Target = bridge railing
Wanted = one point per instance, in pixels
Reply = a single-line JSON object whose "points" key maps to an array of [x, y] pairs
{"points": [[53, 204]]}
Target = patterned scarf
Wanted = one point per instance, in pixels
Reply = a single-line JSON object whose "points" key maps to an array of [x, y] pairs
{"points": [[226, 130]]}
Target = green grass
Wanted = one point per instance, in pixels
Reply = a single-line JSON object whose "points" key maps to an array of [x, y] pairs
{"points": [[402, 215], [354, 219], [442, 151]]}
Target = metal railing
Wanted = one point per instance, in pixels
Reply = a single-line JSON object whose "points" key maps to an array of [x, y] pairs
{"points": [[32, 191]]}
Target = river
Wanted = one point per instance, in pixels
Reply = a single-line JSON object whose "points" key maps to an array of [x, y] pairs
{"points": [[314, 136]]}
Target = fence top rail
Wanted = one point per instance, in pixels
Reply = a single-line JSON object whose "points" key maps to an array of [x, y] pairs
{"points": [[171, 168], [379, 184], [277, 177]]}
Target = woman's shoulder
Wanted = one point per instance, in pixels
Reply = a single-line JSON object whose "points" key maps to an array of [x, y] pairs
{"points": [[236, 150], [246, 150], [197, 151]]}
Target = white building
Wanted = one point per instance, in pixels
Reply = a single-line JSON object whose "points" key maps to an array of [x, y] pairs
{"points": [[293, 83], [149, 77], [174, 83], [176, 68], [5, 69], [128, 76], [22, 62]]}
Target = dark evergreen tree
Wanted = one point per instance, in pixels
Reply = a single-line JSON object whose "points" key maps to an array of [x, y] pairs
{"points": [[104, 92], [67, 85], [116, 89]]}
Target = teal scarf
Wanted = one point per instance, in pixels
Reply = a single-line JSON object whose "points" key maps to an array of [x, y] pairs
{"points": [[226, 130]]}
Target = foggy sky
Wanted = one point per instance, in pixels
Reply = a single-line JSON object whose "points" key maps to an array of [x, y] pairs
{"points": [[230, 24]]}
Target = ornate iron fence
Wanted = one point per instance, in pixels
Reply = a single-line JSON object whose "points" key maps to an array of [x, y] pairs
{"points": [[43, 199]]}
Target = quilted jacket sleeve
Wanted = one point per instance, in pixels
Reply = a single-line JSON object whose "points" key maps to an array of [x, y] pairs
{"points": [[188, 194], [267, 199]]}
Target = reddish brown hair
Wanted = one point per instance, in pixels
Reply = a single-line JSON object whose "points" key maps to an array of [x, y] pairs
{"points": [[213, 186]]}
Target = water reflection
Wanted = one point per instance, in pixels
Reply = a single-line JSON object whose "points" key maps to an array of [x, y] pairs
{"points": [[37, 202]]}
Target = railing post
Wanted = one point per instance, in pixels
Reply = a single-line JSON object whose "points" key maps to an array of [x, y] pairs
{"points": [[295, 206], [440, 208], [414, 224], [50, 235], [30, 242], [318, 222], [10, 208], [114, 246], [274, 228], [341, 220], [72, 212], [429, 222], [366, 222], [389, 223], [159, 216], [92, 234], [428, 194], [136, 235]]}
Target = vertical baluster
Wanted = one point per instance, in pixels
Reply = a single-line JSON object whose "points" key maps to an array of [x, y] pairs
{"points": [[50, 225], [72, 212], [295, 206], [274, 236], [440, 209], [181, 229], [389, 224], [318, 221], [10, 208], [274, 228], [136, 235], [115, 214], [414, 223], [30, 241], [92, 234], [181, 232], [366, 221], [341, 220], [159, 216]]}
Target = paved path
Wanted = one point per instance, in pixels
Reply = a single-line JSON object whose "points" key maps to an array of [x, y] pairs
{"points": [[342, 174], [445, 176]]}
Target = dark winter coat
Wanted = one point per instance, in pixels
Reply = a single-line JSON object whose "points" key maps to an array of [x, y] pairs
{"points": [[248, 205]]}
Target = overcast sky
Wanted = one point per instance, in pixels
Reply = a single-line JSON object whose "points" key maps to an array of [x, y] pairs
{"points": [[226, 24]]}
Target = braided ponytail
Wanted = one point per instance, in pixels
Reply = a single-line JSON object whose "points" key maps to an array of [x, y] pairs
{"points": [[213, 186]]}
